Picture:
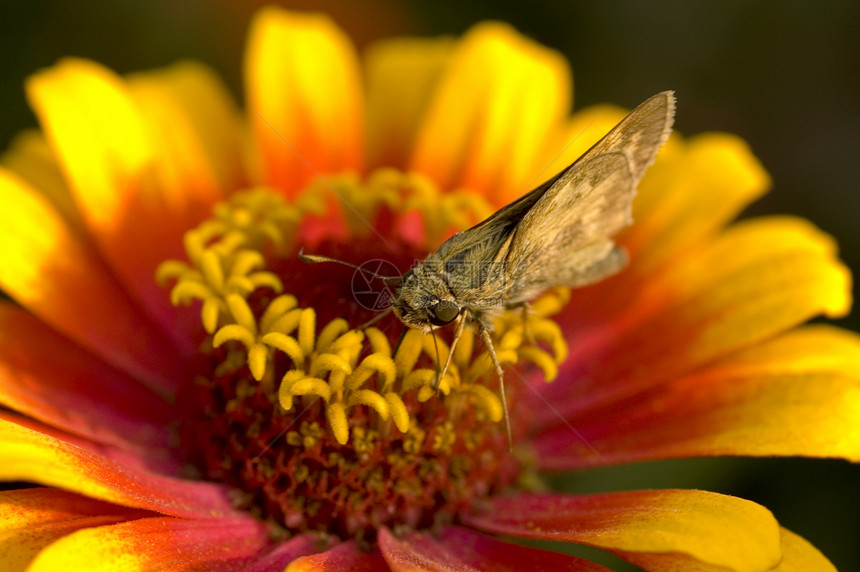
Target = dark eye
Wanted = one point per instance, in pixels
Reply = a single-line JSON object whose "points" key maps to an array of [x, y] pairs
{"points": [[444, 313]]}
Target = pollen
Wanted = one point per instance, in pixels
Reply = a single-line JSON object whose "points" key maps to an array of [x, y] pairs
{"points": [[310, 416]]}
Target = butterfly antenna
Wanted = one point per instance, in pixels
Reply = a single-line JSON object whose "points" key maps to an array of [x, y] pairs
{"points": [[317, 258], [485, 335]]}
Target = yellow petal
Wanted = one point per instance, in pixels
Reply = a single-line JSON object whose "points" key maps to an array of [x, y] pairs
{"points": [[814, 348], [304, 98], [31, 519], [157, 543], [401, 75], [189, 113], [756, 281], [690, 194], [30, 157], [496, 104], [569, 140], [656, 529], [108, 153], [798, 555], [30, 454], [56, 274]]}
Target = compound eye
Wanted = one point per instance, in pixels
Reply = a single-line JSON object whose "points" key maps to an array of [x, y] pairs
{"points": [[444, 312]]}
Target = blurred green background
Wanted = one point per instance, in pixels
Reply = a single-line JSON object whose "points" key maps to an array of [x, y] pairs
{"points": [[785, 75]]}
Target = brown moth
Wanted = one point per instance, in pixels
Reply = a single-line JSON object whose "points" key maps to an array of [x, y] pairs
{"points": [[559, 234]]}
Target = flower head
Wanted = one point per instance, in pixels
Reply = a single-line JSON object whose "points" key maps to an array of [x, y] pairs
{"points": [[189, 393]]}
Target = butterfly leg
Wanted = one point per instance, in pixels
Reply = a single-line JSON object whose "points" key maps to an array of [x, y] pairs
{"points": [[457, 333], [488, 342]]}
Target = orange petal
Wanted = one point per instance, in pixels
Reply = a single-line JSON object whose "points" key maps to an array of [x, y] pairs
{"points": [[31, 519], [798, 555], [160, 543], [32, 454], [31, 159], [304, 98], [757, 280], [500, 98], [794, 395], [57, 275], [124, 188], [456, 549], [759, 415], [401, 75], [344, 556], [40, 376], [660, 530]]}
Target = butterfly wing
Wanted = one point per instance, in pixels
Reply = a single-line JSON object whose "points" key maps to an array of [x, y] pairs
{"points": [[559, 233], [565, 236]]}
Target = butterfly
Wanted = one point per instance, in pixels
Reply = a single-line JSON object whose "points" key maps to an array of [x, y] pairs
{"points": [[558, 234]]}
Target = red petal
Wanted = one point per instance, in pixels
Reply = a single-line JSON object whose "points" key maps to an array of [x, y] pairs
{"points": [[57, 274], [31, 519], [49, 378], [346, 557], [667, 527], [160, 543], [285, 553], [38, 455], [458, 549]]}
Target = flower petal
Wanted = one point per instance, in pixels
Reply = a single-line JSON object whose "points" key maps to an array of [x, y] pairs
{"points": [[124, 186], [346, 556], [798, 555], [795, 395], [304, 97], [31, 159], [56, 274], [810, 415], [159, 543], [30, 519], [285, 553], [758, 279], [663, 527], [692, 191], [46, 377], [497, 102], [37, 456], [460, 549], [401, 76], [188, 103]]}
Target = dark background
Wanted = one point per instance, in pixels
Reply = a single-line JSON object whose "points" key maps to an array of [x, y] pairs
{"points": [[782, 74]]}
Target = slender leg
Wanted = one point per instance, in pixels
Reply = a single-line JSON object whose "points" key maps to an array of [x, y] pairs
{"points": [[457, 333], [488, 341]]}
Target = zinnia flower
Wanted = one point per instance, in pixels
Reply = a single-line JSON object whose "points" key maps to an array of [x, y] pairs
{"points": [[190, 395]]}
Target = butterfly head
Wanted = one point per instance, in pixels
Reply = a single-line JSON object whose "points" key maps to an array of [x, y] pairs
{"points": [[424, 301]]}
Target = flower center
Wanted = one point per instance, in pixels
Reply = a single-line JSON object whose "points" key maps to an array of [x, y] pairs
{"points": [[319, 426]]}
